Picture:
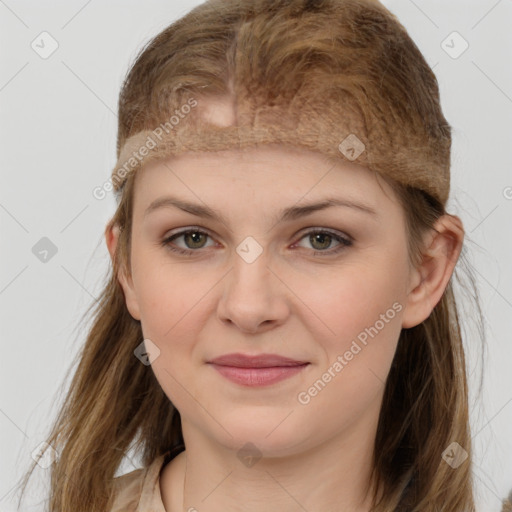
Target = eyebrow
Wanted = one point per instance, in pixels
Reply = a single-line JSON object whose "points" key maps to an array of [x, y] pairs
{"points": [[288, 214]]}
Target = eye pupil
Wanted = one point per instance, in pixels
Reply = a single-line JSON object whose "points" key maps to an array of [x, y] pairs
{"points": [[193, 235], [319, 237]]}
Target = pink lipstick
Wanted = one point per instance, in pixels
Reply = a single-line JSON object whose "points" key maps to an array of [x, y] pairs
{"points": [[258, 370]]}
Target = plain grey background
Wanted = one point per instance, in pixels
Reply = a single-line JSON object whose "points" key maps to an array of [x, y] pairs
{"points": [[58, 135]]}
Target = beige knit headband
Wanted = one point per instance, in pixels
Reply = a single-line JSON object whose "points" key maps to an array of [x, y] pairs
{"points": [[342, 134]]}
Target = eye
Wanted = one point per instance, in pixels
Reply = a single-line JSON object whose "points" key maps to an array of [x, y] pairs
{"points": [[322, 239], [193, 238]]}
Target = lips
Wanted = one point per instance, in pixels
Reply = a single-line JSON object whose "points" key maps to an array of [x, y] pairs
{"points": [[257, 361], [257, 371]]}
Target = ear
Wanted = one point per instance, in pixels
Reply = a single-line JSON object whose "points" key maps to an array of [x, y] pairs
{"points": [[429, 281], [112, 232]]}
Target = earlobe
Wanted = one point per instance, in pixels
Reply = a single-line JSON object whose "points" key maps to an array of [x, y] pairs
{"points": [[112, 232], [433, 275]]}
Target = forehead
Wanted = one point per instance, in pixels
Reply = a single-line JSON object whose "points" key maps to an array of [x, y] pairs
{"points": [[273, 173], [282, 162]]}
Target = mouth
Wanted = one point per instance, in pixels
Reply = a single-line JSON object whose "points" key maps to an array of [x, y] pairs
{"points": [[258, 370]]}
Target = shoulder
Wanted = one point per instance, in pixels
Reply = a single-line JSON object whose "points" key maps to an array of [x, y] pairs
{"points": [[139, 490], [127, 491], [134, 491]]}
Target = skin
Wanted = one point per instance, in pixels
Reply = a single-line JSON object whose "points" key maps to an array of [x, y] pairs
{"points": [[289, 301]]}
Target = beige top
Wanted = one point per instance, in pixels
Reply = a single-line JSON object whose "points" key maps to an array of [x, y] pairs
{"points": [[139, 490]]}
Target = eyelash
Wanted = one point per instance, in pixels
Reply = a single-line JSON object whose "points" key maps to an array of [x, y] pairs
{"points": [[344, 241]]}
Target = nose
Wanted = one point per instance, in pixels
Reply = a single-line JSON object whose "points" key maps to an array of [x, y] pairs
{"points": [[254, 298]]}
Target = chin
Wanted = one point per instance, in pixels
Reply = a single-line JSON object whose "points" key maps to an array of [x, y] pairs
{"points": [[268, 437]]}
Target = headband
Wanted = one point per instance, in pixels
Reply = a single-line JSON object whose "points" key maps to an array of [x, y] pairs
{"points": [[407, 155]]}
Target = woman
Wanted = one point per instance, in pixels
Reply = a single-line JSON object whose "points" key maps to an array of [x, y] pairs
{"points": [[279, 326]]}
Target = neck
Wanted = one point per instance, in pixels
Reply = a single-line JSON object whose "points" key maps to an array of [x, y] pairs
{"points": [[332, 477]]}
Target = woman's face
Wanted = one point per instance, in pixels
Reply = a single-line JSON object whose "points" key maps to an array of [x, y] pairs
{"points": [[267, 274]]}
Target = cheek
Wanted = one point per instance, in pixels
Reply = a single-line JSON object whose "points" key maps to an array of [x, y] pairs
{"points": [[168, 296], [169, 311], [364, 312], [172, 306], [360, 307], [358, 292]]}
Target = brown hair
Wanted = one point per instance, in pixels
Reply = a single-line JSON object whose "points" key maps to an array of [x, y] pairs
{"points": [[425, 405]]}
